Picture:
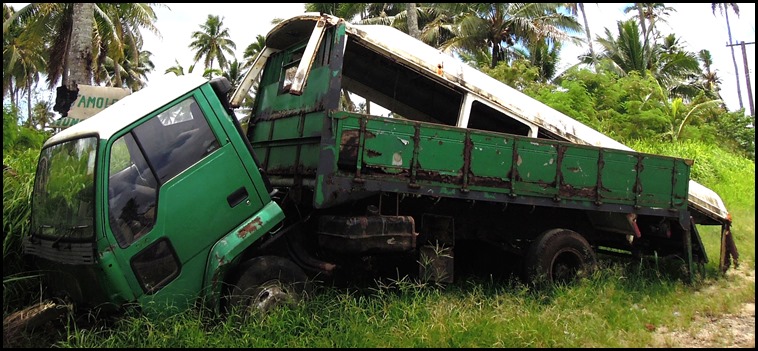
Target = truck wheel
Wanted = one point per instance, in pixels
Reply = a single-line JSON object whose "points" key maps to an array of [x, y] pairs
{"points": [[558, 256], [266, 282]]}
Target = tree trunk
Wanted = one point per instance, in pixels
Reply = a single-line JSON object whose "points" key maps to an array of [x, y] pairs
{"points": [[642, 20], [29, 103], [589, 34], [80, 51], [117, 81], [412, 16], [734, 60], [496, 50]]}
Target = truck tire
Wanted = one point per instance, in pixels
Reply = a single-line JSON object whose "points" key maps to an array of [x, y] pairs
{"points": [[558, 256], [266, 282]]}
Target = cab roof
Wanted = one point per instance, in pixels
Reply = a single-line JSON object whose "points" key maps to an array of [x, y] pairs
{"points": [[131, 108]]}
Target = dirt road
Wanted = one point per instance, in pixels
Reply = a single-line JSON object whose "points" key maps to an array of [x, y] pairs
{"points": [[722, 331]]}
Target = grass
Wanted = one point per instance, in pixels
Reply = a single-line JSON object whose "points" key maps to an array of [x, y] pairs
{"points": [[616, 307], [611, 309]]}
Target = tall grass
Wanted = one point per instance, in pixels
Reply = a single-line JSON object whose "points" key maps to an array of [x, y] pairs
{"points": [[618, 307], [18, 179]]}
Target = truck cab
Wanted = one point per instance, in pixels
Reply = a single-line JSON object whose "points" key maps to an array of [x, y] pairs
{"points": [[146, 202]]}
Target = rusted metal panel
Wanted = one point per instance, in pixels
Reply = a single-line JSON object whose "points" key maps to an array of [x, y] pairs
{"points": [[367, 234]]}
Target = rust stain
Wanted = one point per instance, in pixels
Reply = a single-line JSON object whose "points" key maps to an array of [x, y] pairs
{"points": [[250, 228]]}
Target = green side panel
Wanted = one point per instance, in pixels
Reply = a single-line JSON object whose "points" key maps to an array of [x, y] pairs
{"points": [[282, 158], [579, 169], [440, 155], [259, 132], [536, 164], [288, 143], [491, 160], [315, 88], [461, 161], [618, 177], [657, 181], [680, 196], [309, 151], [313, 125], [388, 146]]}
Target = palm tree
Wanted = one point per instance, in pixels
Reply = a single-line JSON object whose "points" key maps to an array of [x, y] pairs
{"points": [[252, 51], [211, 42], [673, 66], [127, 74], [178, 69], [348, 11], [85, 33], [137, 73], [80, 50], [667, 62], [574, 8], [627, 52], [649, 14], [23, 59], [41, 116], [412, 15], [121, 40], [234, 74], [544, 57], [679, 118], [435, 23], [724, 9], [709, 79], [500, 26]]}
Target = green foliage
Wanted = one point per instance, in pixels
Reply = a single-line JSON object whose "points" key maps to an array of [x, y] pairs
{"points": [[21, 147], [16, 137], [18, 179], [736, 132], [634, 107], [572, 99], [520, 74], [10, 126]]}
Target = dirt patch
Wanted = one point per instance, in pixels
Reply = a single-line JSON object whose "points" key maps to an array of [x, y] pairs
{"points": [[728, 330]]}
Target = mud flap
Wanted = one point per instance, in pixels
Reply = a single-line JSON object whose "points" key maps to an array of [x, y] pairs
{"points": [[729, 252]]}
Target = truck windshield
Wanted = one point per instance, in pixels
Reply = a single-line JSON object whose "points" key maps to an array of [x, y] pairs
{"points": [[64, 195]]}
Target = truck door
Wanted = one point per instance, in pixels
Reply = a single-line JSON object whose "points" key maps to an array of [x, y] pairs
{"points": [[176, 186]]}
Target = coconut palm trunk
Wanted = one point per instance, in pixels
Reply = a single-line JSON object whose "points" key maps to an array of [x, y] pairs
{"points": [[734, 60], [724, 8], [80, 50], [412, 17], [587, 30]]}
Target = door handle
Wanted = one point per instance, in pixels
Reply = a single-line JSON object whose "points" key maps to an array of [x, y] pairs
{"points": [[237, 197]]}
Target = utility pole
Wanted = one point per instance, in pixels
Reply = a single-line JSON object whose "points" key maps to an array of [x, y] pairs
{"points": [[747, 76]]}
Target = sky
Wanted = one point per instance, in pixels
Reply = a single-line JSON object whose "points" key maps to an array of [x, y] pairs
{"points": [[695, 24]]}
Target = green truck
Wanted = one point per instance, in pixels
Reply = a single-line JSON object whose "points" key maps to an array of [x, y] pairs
{"points": [[365, 152]]}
